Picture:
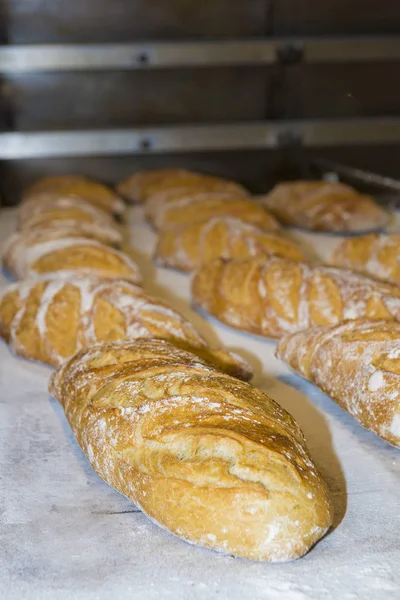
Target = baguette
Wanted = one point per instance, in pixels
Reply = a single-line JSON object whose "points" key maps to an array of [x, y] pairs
{"points": [[325, 206], [189, 247], [206, 456], [357, 363], [48, 253], [142, 185], [375, 254], [51, 319], [275, 296], [195, 208], [92, 191]]}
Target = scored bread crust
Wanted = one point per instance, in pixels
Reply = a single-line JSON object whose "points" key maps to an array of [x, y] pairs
{"points": [[39, 253], [142, 185], [61, 229], [189, 247], [51, 319], [92, 191], [39, 208], [325, 206], [68, 214], [133, 187], [206, 456], [375, 254], [187, 209], [159, 204], [275, 296], [357, 363]]}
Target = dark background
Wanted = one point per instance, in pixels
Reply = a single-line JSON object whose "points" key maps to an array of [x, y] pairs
{"points": [[87, 100]]}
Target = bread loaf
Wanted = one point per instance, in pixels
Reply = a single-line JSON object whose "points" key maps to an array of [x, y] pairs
{"points": [[206, 456], [374, 254], [43, 208], [87, 189], [46, 252], [138, 186], [357, 363], [325, 206], [110, 236], [142, 185], [68, 215], [189, 209], [275, 296], [51, 319], [134, 187], [189, 247], [158, 204]]}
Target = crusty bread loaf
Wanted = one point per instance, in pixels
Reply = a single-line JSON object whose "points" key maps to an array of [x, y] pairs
{"points": [[134, 187], [68, 215], [194, 208], [325, 206], [51, 319], [87, 189], [374, 254], [206, 456], [140, 186], [189, 247], [39, 209], [158, 204], [275, 296], [110, 236], [358, 364], [47, 253]]}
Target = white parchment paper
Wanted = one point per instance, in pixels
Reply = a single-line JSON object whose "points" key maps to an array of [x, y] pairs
{"points": [[66, 534]]}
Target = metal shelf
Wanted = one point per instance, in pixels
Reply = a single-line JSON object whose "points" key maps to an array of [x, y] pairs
{"points": [[197, 138], [160, 55]]}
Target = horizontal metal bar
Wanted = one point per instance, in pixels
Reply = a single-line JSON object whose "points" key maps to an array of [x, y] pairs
{"points": [[73, 57], [198, 138], [335, 132], [351, 49], [358, 175], [131, 141], [134, 56]]}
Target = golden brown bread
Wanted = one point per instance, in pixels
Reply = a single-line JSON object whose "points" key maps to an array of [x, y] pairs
{"points": [[44, 207], [181, 210], [374, 254], [45, 252], [206, 456], [324, 206], [275, 296], [169, 200], [92, 191], [358, 364], [68, 214], [51, 319], [189, 247], [110, 236], [135, 187], [163, 200], [140, 186]]}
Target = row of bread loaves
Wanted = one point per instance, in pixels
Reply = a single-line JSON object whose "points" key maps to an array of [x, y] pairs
{"points": [[163, 417], [256, 280]]}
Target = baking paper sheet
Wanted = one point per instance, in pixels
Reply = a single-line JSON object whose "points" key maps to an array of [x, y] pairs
{"points": [[66, 534]]}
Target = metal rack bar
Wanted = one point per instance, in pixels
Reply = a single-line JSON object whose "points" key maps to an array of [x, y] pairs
{"points": [[75, 57], [190, 138], [358, 175]]}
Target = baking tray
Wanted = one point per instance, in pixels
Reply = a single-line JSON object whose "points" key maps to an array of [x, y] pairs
{"points": [[66, 534]]}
